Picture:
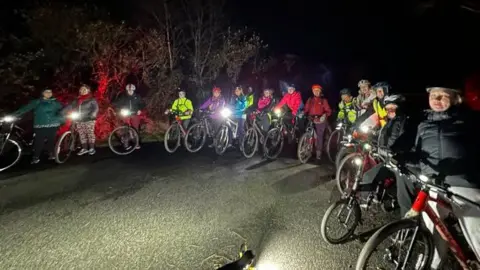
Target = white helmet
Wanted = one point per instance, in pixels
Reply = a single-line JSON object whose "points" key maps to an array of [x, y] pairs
{"points": [[130, 87], [362, 82]]}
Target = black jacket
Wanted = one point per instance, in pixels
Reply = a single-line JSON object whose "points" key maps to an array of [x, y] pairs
{"points": [[392, 131], [88, 109], [444, 146], [132, 102]]}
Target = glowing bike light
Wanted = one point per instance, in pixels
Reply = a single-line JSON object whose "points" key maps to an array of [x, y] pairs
{"points": [[367, 147], [8, 119], [226, 112], [125, 112], [74, 115], [339, 126], [423, 178], [349, 138], [277, 112], [364, 129], [358, 161]]}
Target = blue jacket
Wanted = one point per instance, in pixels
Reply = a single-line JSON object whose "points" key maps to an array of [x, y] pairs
{"points": [[239, 104]]}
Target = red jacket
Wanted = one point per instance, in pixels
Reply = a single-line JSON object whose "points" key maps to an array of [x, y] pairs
{"points": [[293, 101], [317, 106]]}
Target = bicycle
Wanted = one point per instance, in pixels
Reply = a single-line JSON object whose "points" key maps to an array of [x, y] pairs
{"points": [[276, 135], [254, 135], [67, 140], [198, 133], [379, 193], [11, 143], [413, 228], [128, 138], [222, 138], [335, 137], [175, 133], [306, 144]]}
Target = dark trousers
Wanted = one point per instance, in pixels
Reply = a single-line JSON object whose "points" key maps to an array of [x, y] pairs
{"points": [[42, 134], [320, 130]]}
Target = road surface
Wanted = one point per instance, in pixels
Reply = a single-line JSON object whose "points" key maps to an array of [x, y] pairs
{"points": [[153, 210]]}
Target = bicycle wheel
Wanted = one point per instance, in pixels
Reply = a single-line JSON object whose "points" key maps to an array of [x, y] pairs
{"points": [[406, 233], [249, 143], [349, 212], [305, 147], [11, 154], [64, 147], [123, 140], [333, 144], [221, 140], [342, 153], [273, 144], [346, 171], [195, 138], [172, 138]]}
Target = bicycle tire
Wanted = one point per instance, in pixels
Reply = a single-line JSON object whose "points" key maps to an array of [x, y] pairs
{"points": [[339, 170], [255, 145], [357, 215], [128, 129], [304, 140], [342, 153], [386, 231], [329, 149], [165, 141], [19, 154], [189, 132], [280, 148], [223, 130], [57, 148]]}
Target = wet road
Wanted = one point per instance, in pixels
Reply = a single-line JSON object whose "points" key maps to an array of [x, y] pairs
{"points": [[152, 210]]}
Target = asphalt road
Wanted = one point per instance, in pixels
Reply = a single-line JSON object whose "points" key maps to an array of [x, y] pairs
{"points": [[152, 210]]}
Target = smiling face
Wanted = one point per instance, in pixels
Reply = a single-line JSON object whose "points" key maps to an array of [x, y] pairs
{"points": [[380, 92], [238, 91], [346, 98], [391, 110], [441, 99], [364, 89], [317, 92], [47, 94], [216, 93], [291, 90]]}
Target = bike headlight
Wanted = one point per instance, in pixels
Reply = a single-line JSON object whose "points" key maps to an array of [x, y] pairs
{"points": [[8, 119], [125, 112], [349, 138], [364, 129], [367, 147], [277, 112], [423, 178], [339, 126], [357, 161], [74, 115], [226, 112]]}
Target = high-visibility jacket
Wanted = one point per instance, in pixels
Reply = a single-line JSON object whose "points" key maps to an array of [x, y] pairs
{"points": [[348, 110], [182, 105], [380, 111]]}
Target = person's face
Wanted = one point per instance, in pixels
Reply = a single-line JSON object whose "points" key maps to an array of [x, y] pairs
{"points": [[440, 100], [291, 90], [364, 88], [380, 93], [238, 91], [317, 92], [250, 90], [47, 94], [346, 98], [266, 93], [181, 94], [130, 92], [391, 110], [216, 94], [84, 90]]}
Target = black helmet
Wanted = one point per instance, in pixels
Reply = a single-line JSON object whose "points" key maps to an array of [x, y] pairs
{"points": [[395, 99], [384, 85], [180, 90], [345, 91]]}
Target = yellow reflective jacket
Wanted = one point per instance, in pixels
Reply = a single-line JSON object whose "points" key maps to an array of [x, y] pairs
{"points": [[348, 109], [183, 105], [250, 100], [380, 111]]}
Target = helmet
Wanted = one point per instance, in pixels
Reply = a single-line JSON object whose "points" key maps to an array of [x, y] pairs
{"points": [[130, 87], [316, 86], [362, 82], [268, 89], [452, 89], [216, 89], [290, 85], [180, 90], [345, 91], [395, 99], [384, 85]]}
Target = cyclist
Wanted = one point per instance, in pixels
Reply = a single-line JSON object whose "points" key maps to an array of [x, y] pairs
{"points": [[365, 96], [346, 108], [444, 147], [239, 104], [317, 106], [214, 104], [381, 89], [250, 97], [293, 100], [86, 105], [265, 105], [46, 122], [183, 105], [133, 102]]}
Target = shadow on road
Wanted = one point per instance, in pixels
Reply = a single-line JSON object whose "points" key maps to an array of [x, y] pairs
{"points": [[302, 181], [260, 164]]}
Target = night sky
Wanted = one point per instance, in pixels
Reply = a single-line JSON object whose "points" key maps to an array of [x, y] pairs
{"points": [[379, 40]]}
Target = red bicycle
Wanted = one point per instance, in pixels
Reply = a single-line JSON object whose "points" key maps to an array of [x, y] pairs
{"points": [[411, 233]]}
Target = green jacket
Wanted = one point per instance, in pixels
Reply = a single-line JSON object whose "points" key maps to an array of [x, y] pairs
{"points": [[183, 105], [349, 110], [46, 112], [250, 100]]}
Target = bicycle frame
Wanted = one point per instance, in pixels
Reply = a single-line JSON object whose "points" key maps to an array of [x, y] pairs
{"points": [[17, 131], [232, 125], [421, 205]]}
